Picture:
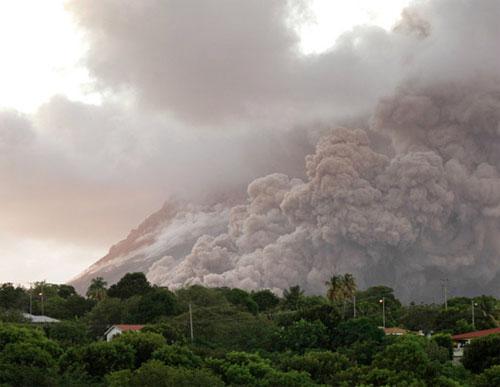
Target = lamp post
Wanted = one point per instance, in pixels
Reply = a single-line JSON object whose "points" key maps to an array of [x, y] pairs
{"points": [[41, 299], [382, 301]]}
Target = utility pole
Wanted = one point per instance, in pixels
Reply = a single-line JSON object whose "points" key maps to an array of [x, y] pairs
{"points": [[382, 301], [354, 305], [445, 292], [472, 304], [191, 323], [31, 299]]}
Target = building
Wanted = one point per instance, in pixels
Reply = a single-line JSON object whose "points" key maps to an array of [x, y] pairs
{"points": [[395, 331], [34, 319], [462, 339], [118, 329]]}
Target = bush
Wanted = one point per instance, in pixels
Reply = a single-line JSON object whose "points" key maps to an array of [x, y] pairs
{"points": [[143, 344], [482, 353], [176, 355]]}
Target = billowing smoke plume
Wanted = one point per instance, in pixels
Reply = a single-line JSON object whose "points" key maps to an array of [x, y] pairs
{"points": [[427, 213], [424, 208]]}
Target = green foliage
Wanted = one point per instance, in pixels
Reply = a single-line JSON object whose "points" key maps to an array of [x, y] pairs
{"points": [[105, 313], [323, 366], [156, 303], [368, 305], [227, 328], [27, 357], [420, 317], [68, 333], [352, 331], [482, 353], [303, 335], [292, 297], [26, 364], [143, 344], [241, 368], [265, 299], [490, 377], [171, 333], [99, 358], [199, 296], [13, 297], [131, 284], [240, 298], [406, 354], [178, 356], [97, 289], [444, 340], [156, 374]]}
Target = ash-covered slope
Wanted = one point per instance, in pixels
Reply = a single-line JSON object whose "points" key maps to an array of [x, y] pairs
{"points": [[170, 232]]}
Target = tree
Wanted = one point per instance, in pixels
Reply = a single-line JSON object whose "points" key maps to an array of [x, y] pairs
{"points": [[105, 313], [97, 289], [292, 297], [490, 377], [131, 284], [335, 289], [241, 298], [482, 353], [177, 356], [143, 344], [265, 299], [156, 303], [171, 333], [13, 297], [100, 358], [357, 330], [26, 364], [323, 366], [303, 335]]}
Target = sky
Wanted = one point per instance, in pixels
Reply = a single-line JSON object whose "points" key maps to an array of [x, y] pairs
{"points": [[106, 111]]}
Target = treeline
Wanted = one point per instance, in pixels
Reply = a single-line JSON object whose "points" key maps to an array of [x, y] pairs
{"points": [[239, 338]]}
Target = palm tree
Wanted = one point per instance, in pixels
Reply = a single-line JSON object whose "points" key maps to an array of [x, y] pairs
{"points": [[292, 296], [335, 291], [349, 284], [340, 289], [97, 289]]}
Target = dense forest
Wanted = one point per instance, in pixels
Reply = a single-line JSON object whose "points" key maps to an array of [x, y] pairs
{"points": [[198, 336]]}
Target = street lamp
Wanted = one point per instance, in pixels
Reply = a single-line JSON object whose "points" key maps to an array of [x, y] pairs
{"points": [[41, 298], [382, 301]]}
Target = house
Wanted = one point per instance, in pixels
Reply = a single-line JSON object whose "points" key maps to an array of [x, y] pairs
{"points": [[34, 319], [395, 331], [118, 329], [462, 339]]}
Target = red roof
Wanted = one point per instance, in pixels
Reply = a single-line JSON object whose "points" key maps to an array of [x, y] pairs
{"points": [[128, 327], [476, 334]]}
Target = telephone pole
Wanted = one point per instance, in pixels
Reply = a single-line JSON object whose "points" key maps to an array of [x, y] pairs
{"points": [[354, 305], [191, 323], [444, 286], [472, 305]]}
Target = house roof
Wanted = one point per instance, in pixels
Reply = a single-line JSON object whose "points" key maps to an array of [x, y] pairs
{"points": [[124, 327], [39, 319], [395, 331], [476, 334], [128, 327]]}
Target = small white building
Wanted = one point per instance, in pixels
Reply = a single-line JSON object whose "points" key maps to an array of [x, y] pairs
{"points": [[34, 319], [118, 329]]}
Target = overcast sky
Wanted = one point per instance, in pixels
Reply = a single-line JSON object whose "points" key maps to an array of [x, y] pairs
{"points": [[110, 107]]}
